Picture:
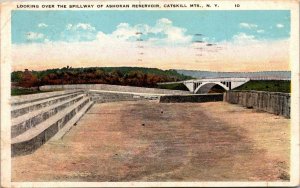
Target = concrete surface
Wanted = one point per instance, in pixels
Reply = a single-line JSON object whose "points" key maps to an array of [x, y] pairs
{"points": [[191, 98], [149, 141]]}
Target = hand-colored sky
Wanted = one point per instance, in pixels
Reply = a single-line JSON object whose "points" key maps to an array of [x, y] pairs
{"points": [[242, 40]]}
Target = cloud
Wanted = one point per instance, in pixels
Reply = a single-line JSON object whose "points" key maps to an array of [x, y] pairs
{"points": [[174, 35], [34, 36], [260, 31], [42, 25], [80, 26], [279, 25], [248, 25], [243, 38], [165, 21], [78, 32], [125, 32], [162, 25], [162, 33]]}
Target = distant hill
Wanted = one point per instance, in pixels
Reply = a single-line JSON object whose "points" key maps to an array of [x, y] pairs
{"points": [[209, 74]]}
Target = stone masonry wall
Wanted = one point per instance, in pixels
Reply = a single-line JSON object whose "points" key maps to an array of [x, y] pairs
{"points": [[191, 98], [272, 102], [114, 96]]}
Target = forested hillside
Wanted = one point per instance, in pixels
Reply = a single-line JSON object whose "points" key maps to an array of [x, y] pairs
{"points": [[132, 76]]}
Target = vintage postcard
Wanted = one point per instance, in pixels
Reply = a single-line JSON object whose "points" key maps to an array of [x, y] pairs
{"points": [[150, 93]]}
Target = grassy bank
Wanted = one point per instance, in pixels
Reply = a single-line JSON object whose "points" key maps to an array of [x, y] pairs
{"points": [[267, 85], [174, 86]]}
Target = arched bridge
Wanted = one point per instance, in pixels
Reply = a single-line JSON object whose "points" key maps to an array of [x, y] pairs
{"points": [[205, 85]]}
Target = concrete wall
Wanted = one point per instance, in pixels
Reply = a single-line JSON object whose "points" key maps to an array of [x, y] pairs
{"points": [[37, 118], [272, 102], [114, 88], [23, 99], [101, 96], [191, 98]]}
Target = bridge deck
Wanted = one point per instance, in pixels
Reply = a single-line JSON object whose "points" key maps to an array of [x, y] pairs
{"points": [[139, 141]]}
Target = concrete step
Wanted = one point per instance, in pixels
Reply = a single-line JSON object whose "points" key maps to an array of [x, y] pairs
{"points": [[72, 122], [32, 139], [20, 110], [26, 99], [27, 121]]}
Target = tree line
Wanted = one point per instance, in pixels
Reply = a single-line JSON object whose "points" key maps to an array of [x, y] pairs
{"points": [[132, 76]]}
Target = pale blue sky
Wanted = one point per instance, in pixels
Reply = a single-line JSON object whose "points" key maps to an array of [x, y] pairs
{"points": [[215, 25], [230, 41]]}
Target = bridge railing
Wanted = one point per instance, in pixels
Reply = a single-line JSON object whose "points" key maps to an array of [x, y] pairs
{"points": [[270, 78]]}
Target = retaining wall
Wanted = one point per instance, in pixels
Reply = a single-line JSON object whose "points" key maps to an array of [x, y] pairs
{"points": [[100, 96], [272, 102], [108, 87], [191, 98]]}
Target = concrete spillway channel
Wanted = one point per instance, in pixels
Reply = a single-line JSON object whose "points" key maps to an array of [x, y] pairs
{"points": [[41, 117], [38, 118]]}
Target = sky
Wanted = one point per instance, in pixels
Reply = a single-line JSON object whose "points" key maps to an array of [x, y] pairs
{"points": [[196, 40]]}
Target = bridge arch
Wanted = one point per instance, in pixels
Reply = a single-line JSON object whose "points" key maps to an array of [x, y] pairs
{"points": [[206, 87]]}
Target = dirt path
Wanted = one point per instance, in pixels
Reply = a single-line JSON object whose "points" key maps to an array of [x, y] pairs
{"points": [[138, 141]]}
